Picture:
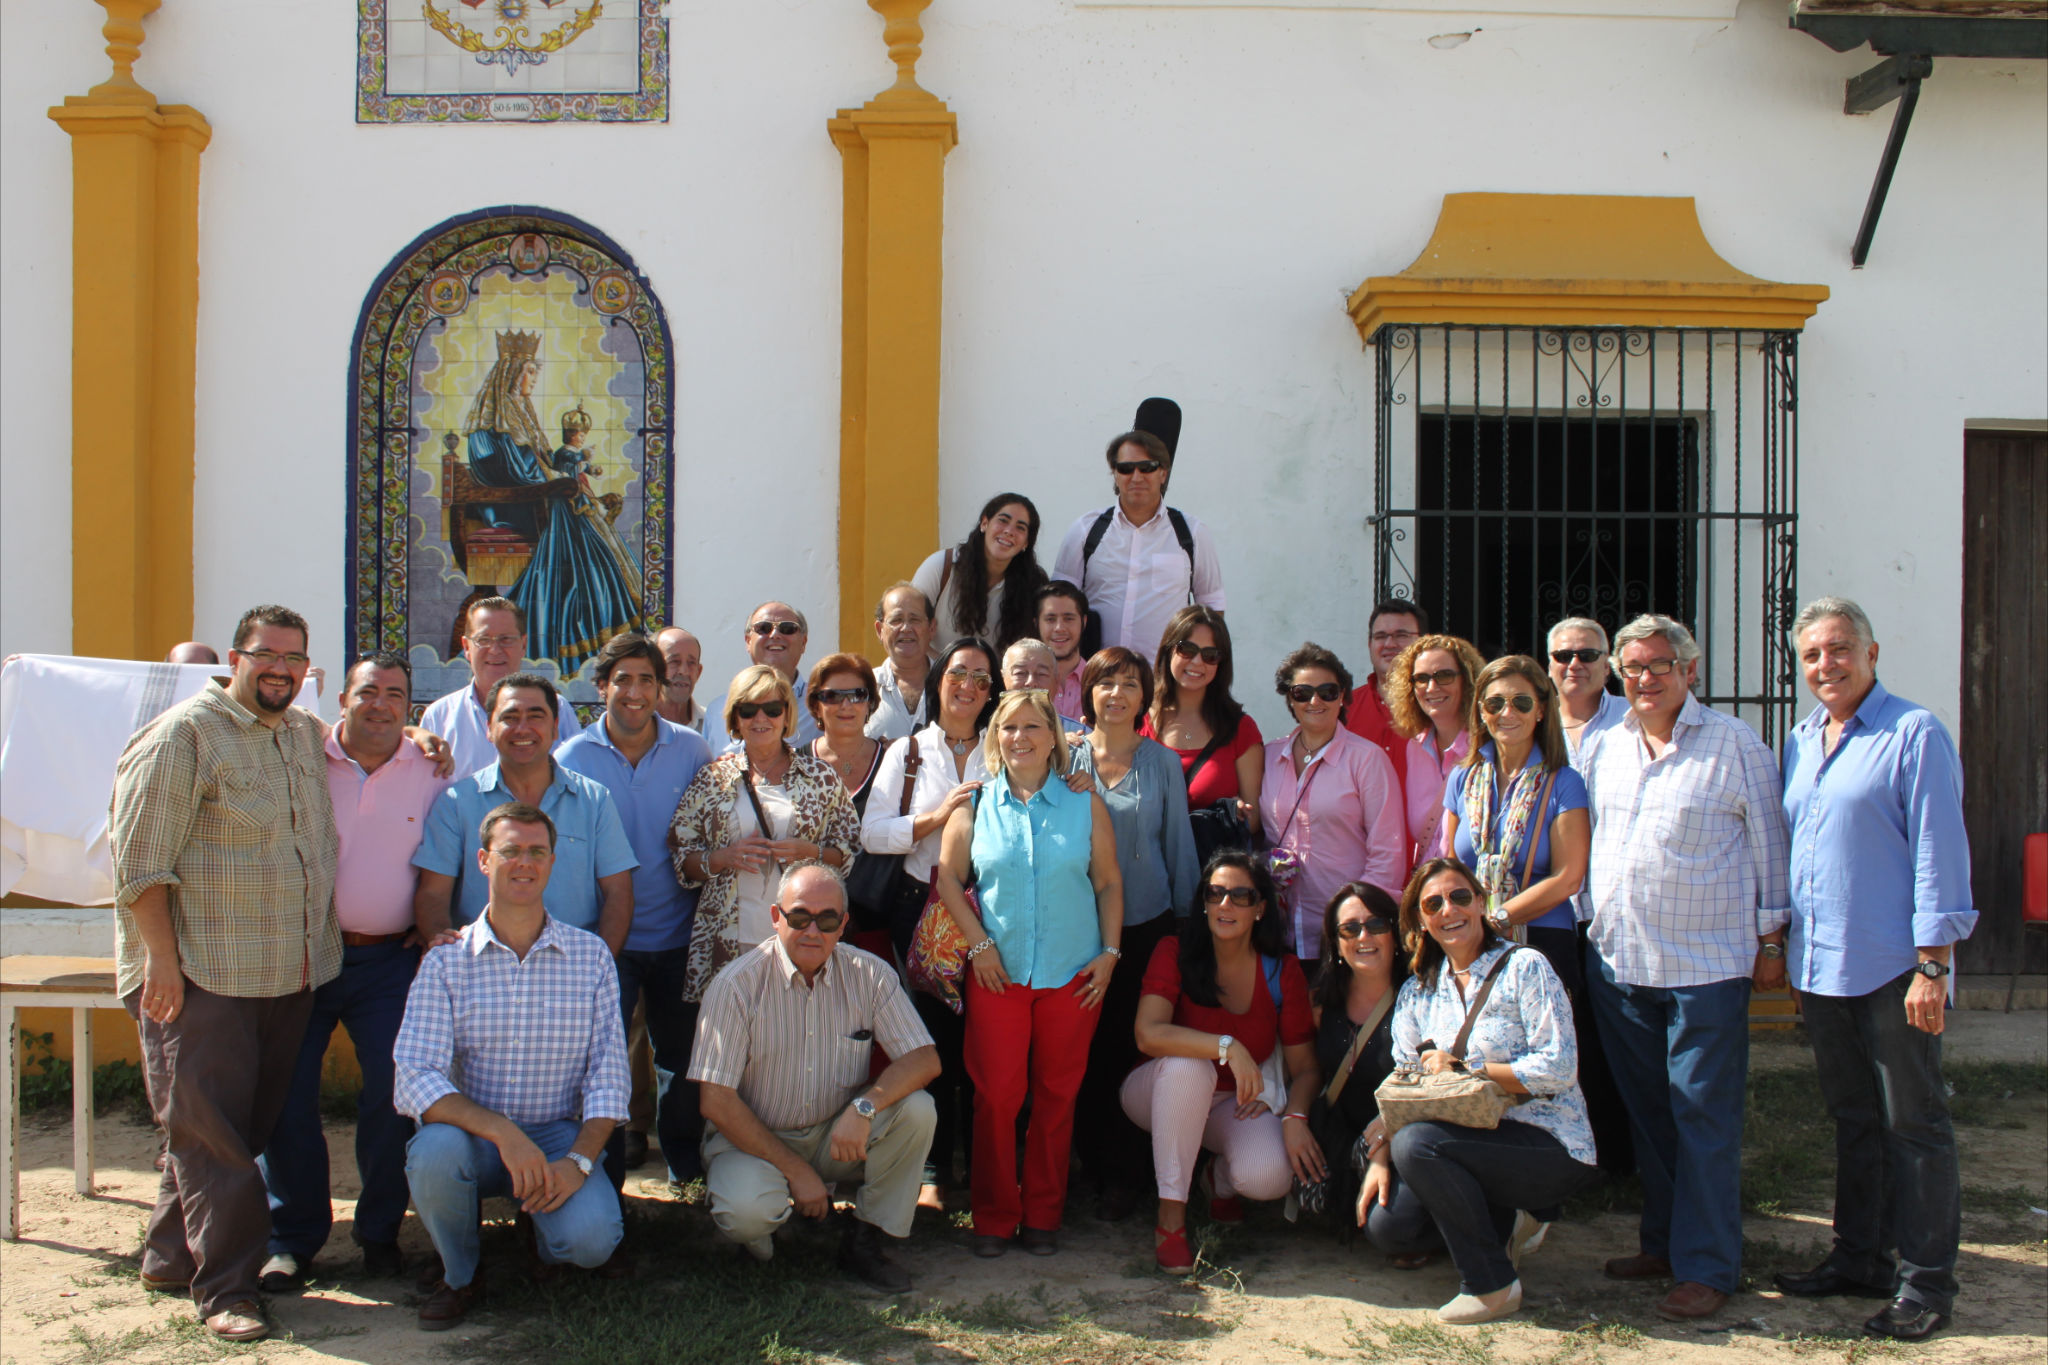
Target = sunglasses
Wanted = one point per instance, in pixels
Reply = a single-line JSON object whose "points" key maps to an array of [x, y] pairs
{"points": [[1433, 905], [975, 676], [832, 696], [747, 710], [1576, 656], [1521, 701], [1443, 677], [776, 628], [828, 921], [1352, 928], [1302, 692], [1138, 466], [1188, 649], [1236, 895]]}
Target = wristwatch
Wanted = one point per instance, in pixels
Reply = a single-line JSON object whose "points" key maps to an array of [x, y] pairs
{"points": [[580, 1162], [1498, 918], [1932, 970], [864, 1106], [1223, 1043], [1771, 951]]}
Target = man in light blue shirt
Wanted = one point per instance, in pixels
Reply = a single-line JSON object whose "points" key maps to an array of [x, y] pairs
{"points": [[494, 643], [591, 886], [1880, 896], [646, 762]]}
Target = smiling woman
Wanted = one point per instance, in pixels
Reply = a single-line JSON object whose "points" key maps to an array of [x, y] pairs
{"points": [[987, 585]]}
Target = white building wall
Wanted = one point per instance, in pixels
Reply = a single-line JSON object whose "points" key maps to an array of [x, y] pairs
{"points": [[1144, 200]]}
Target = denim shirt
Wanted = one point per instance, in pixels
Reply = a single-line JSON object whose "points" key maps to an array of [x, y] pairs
{"points": [[1031, 874], [1155, 848]]}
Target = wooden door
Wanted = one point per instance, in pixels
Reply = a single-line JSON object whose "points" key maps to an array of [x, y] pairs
{"points": [[2004, 741]]}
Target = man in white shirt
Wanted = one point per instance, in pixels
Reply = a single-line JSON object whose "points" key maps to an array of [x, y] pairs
{"points": [[776, 636], [494, 643], [905, 623], [1138, 560], [683, 654]]}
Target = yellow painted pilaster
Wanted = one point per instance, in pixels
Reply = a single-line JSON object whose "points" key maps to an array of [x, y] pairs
{"points": [[893, 152], [134, 321]]}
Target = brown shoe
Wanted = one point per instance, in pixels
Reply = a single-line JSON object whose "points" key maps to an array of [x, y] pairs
{"points": [[241, 1321], [1688, 1300], [448, 1305], [1641, 1266], [164, 1285]]}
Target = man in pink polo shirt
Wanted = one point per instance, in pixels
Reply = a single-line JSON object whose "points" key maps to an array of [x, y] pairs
{"points": [[382, 788]]}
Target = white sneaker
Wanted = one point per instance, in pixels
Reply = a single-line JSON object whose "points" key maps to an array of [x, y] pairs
{"points": [[1469, 1309], [1528, 1234], [281, 1275]]}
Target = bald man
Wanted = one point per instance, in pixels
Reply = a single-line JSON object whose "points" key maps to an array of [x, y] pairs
{"points": [[192, 652], [684, 655]]}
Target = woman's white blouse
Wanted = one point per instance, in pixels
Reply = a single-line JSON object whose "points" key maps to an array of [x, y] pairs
{"points": [[882, 830], [1527, 1023]]}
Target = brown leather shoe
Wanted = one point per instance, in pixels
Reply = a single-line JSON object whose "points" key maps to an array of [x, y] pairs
{"points": [[164, 1285], [241, 1321], [448, 1305], [1688, 1300], [1640, 1266]]}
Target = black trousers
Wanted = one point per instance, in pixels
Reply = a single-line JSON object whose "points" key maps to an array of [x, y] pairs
{"points": [[1113, 1150]]}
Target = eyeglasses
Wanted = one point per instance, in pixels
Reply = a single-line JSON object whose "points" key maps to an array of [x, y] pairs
{"points": [[1433, 905], [832, 696], [1443, 677], [828, 921], [1352, 928], [1138, 466], [494, 641], [968, 675], [776, 628], [905, 621], [1301, 693], [267, 657], [1188, 649], [1656, 668], [1216, 894], [1579, 656], [747, 710], [1521, 701], [1393, 637]]}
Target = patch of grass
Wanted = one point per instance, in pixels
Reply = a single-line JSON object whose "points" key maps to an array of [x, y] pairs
{"points": [[1977, 1088], [1422, 1343], [2009, 1209], [1849, 1347], [177, 1337], [1584, 1343], [46, 1081], [1788, 1144]]}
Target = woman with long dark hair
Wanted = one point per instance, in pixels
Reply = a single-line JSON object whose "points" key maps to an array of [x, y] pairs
{"points": [[987, 585], [1224, 1002], [1222, 754]]}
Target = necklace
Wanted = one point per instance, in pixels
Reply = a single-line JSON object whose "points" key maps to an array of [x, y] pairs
{"points": [[959, 746]]}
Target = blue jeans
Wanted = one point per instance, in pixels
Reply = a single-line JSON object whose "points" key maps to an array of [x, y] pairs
{"points": [[1680, 1057], [1897, 1185], [1471, 1181], [368, 999], [453, 1172], [671, 1030]]}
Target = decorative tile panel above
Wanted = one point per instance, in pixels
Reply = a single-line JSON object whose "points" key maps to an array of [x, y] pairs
{"points": [[510, 430], [511, 61]]}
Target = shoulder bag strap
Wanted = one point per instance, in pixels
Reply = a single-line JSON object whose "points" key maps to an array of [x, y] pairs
{"points": [[1299, 797], [1094, 541], [1365, 1031], [1479, 1003], [945, 575], [754, 798], [1208, 752], [1186, 536], [911, 764], [1536, 827]]}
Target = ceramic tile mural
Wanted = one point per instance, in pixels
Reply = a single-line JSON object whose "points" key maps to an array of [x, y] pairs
{"points": [[511, 428], [500, 61]]}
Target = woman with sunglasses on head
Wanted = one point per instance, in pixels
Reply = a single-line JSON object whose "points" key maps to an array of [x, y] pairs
{"points": [[1429, 694], [842, 696], [944, 765], [1515, 813], [1044, 937], [987, 585], [1474, 1183], [1222, 754], [1223, 1002], [1140, 781], [1328, 800], [747, 815]]}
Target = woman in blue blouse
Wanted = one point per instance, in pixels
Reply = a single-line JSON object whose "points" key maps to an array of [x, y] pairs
{"points": [[1140, 781], [1491, 815], [1042, 943], [1474, 1182]]}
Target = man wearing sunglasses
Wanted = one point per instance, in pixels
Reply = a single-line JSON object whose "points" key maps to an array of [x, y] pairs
{"points": [[1138, 560], [1577, 647], [783, 1049], [776, 636]]}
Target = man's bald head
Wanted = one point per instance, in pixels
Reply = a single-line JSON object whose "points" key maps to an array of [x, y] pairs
{"points": [[192, 652]]}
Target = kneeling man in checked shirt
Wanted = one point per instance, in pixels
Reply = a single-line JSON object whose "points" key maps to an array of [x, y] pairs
{"points": [[784, 1041], [513, 1059]]}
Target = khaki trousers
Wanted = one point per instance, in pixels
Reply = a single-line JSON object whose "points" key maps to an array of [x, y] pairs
{"points": [[750, 1198]]}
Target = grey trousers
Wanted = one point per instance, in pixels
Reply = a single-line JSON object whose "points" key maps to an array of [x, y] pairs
{"points": [[750, 1199]]}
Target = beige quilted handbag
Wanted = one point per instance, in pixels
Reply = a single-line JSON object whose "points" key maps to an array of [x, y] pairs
{"points": [[1408, 1094]]}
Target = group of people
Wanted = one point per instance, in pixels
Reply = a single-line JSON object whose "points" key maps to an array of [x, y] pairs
{"points": [[1192, 955]]}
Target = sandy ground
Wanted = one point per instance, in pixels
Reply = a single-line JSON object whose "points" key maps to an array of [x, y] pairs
{"points": [[68, 1290]]}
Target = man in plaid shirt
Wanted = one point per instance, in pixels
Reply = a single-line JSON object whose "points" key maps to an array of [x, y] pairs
{"points": [[513, 1058]]}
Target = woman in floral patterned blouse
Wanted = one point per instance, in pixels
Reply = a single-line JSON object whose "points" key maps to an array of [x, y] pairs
{"points": [[749, 814]]}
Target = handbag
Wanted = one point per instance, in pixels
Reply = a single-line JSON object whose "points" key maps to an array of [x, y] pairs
{"points": [[937, 957], [1283, 862], [1218, 825], [872, 886], [1454, 1095]]}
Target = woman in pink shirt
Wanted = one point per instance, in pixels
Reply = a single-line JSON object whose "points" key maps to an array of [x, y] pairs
{"points": [[1328, 801], [1429, 692]]}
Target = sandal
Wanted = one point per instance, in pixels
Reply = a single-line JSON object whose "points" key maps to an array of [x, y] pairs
{"points": [[1170, 1248], [1411, 1260]]}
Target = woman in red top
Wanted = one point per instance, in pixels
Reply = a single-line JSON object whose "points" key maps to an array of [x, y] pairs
{"points": [[1217, 1003], [1194, 707]]}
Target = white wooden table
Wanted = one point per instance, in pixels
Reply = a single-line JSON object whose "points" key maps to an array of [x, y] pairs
{"points": [[81, 985]]}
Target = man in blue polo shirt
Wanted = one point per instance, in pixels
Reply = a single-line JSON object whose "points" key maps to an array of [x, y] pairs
{"points": [[591, 886], [646, 762]]}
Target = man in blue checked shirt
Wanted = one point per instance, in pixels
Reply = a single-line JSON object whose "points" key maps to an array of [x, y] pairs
{"points": [[513, 1059], [1880, 898], [646, 762], [592, 884]]}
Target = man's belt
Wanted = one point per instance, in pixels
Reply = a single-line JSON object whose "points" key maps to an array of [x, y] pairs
{"points": [[354, 940]]}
